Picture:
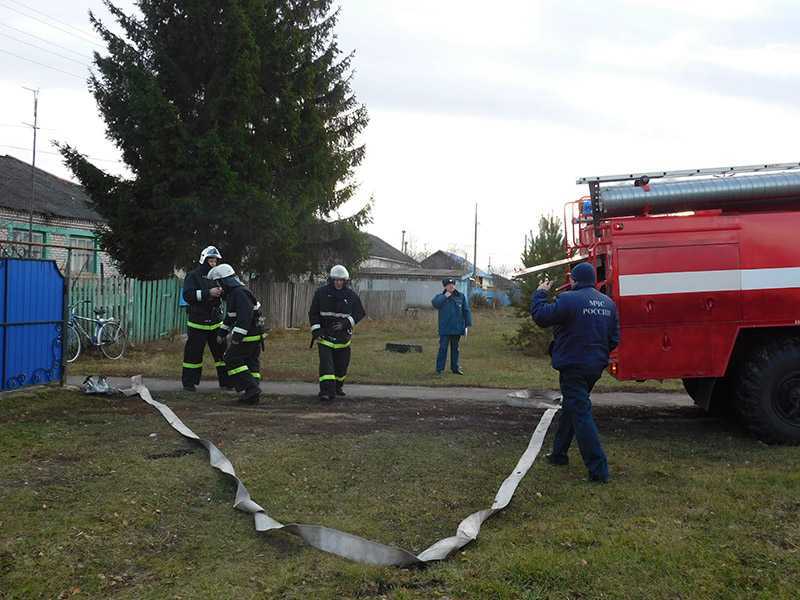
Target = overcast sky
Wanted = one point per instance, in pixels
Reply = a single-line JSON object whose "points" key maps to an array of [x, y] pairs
{"points": [[502, 104]]}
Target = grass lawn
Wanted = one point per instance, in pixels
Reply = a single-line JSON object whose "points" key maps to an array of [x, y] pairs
{"points": [[486, 358], [92, 504]]}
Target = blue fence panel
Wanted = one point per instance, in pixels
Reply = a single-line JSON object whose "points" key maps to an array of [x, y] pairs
{"points": [[32, 312]]}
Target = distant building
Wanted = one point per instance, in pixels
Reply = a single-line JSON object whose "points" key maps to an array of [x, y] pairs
{"points": [[420, 285], [388, 269], [441, 259], [506, 291], [382, 255], [61, 217], [495, 288]]}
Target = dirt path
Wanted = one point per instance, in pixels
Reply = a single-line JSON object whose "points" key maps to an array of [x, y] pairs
{"points": [[521, 398]]}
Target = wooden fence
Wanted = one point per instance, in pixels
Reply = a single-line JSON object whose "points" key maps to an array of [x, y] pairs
{"points": [[150, 310], [383, 304], [285, 304]]}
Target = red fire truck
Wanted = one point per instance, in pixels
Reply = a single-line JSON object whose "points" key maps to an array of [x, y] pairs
{"points": [[704, 266]]}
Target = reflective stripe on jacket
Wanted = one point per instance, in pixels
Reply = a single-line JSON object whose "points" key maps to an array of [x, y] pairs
{"points": [[243, 316], [335, 312], [203, 309]]}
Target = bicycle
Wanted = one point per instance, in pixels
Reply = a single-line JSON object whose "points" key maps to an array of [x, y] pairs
{"points": [[108, 334]]}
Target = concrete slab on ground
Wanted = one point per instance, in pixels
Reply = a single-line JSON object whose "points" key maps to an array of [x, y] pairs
{"points": [[415, 392]]}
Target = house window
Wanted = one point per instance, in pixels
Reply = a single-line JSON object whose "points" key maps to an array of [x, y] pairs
{"points": [[84, 260], [21, 235]]}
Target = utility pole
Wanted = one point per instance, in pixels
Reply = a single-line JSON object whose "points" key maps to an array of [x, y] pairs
{"points": [[35, 127], [403, 242], [475, 246]]}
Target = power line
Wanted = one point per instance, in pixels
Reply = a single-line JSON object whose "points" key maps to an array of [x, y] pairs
{"points": [[43, 22], [41, 39], [42, 64], [114, 160], [30, 8], [11, 37], [26, 126]]}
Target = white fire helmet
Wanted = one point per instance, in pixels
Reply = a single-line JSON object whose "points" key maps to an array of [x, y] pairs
{"points": [[339, 272], [209, 252], [220, 272]]}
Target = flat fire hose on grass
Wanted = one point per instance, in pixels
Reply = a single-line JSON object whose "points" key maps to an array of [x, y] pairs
{"points": [[345, 544]]}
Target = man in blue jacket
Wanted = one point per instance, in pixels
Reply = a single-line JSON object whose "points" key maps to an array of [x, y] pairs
{"points": [[455, 318], [586, 330]]}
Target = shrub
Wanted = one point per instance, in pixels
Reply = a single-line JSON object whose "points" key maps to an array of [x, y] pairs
{"points": [[479, 301], [530, 338]]}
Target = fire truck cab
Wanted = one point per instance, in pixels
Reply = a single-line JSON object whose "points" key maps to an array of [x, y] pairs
{"points": [[704, 266]]}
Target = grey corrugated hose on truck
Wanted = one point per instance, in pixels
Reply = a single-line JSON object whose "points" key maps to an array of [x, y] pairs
{"points": [[344, 544]]}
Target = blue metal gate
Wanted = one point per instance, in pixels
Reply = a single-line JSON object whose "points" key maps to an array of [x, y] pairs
{"points": [[32, 322]]}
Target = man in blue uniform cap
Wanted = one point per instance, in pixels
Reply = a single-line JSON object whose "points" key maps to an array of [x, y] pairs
{"points": [[586, 330], [455, 319]]}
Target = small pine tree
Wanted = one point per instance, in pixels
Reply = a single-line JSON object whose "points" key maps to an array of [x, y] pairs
{"points": [[546, 245]]}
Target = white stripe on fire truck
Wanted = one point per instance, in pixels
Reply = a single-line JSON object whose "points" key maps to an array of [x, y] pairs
{"points": [[652, 284], [769, 279]]}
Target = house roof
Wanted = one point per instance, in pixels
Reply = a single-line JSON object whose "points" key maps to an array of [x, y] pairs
{"points": [[442, 259], [503, 283], [381, 249], [410, 272], [54, 196]]}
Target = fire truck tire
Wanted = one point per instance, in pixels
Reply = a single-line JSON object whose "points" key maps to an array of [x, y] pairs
{"points": [[769, 391]]}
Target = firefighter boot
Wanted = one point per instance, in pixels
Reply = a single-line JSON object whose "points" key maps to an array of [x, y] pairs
{"points": [[250, 396]]}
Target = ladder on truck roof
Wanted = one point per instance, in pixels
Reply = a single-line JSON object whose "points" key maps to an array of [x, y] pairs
{"points": [[676, 196], [626, 198], [689, 173]]}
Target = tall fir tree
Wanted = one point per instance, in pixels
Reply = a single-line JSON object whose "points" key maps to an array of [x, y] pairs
{"points": [[240, 126]]}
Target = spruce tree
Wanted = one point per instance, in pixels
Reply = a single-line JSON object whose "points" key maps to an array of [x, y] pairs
{"points": [[544, 246], [239, 124]]}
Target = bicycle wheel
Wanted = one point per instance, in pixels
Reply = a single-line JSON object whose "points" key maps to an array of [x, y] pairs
{"points": [[113, 340], [72, 345]]}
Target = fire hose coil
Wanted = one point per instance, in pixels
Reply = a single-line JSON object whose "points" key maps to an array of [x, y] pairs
{"points": [[345, 544]]}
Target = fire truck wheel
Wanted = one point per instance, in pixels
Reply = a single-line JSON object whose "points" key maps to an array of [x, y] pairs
{"points": [[769, 391]]}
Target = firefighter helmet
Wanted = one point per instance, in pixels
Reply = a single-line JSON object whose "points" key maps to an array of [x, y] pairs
{"points": [[225, 277], [209, 252], [221, 272], [339, 272]]}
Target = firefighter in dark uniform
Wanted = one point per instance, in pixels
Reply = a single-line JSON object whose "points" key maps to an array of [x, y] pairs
{"points": [[334, 312], [244, 323], [586, 331], [203, 320]]}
